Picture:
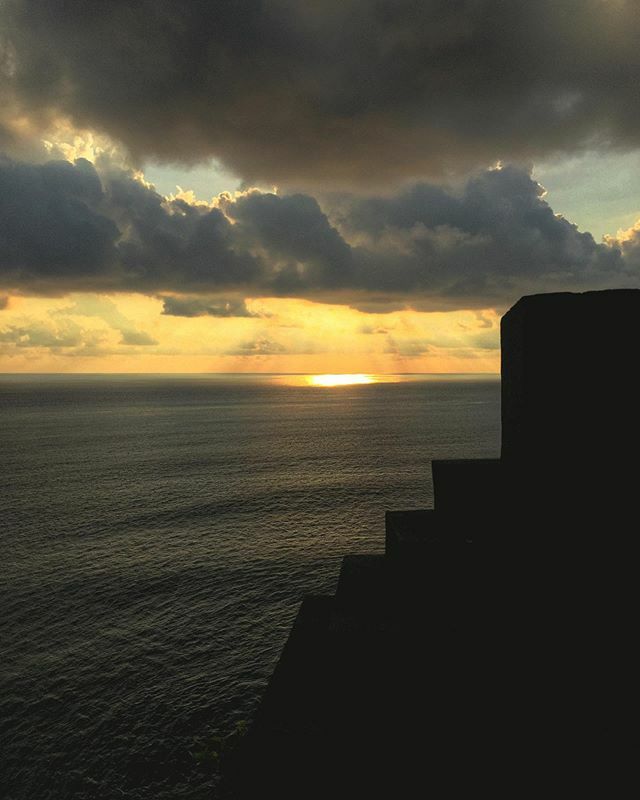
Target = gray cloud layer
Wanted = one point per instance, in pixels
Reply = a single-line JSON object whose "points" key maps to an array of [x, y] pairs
{"points": [[70, 226], [62, 226], [205, 307], [335, 91]]}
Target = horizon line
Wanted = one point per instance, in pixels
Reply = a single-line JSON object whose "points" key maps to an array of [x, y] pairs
{"points": [[246, 373]]}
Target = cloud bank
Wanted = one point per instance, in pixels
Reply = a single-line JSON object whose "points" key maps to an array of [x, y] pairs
{"points": [[79, 227], [335, 92]]}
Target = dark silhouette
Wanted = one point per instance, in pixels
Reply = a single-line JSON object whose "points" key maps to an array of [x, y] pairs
{"points": [[435, 671]]}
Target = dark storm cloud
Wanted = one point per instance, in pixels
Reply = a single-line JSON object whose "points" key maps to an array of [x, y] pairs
{"points": [[340, 91], [293, 231], [49, 223], [492, 241], [205, 307], [70, 227], [172, 244], [63, 227]]}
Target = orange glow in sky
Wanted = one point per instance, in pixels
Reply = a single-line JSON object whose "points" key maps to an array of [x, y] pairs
{"points": [[318, 344]]}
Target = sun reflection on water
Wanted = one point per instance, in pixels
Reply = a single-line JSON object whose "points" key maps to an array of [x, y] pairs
{"points": [[331, 380], [339, 379]]}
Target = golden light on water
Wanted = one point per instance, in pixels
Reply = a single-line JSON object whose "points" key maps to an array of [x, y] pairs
{"points": [[330, 380], [339, 380]]}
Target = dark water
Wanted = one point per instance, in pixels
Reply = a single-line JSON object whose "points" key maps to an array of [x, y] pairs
{"points": [[157, 535]]}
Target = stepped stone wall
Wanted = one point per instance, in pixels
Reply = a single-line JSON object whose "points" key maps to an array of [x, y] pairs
{"points": [[436, 669]]}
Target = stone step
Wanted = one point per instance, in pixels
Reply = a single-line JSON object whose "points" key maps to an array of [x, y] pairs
{"points": [[285, 700], [414, 533], [362, 581]]}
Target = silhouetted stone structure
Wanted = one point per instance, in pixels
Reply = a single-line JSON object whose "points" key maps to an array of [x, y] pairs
{"points": [[570, 398], [434, 671]]}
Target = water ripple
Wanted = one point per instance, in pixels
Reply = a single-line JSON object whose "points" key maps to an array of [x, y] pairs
{"points": [[157, 539]]}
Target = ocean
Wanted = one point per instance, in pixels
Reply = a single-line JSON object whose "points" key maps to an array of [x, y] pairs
{"points": [[157, 536]]}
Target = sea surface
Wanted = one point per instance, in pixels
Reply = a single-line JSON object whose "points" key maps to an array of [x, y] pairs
{"points": [[157, 534]]}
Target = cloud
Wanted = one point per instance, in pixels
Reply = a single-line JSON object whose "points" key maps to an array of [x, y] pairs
{"points": [[484, 245], [83, 227], [486, 340], [411, 342], [206, 307], [52, 228], [40, 333], [629, 243], [105, 309], [261, 346], [65, 226], [137, 338], [407, 348], [295, 237], [333, 93], [483, 321], [372, 329]]}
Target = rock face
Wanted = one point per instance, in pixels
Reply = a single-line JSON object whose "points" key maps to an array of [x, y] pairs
{"points": [[434, 671]]}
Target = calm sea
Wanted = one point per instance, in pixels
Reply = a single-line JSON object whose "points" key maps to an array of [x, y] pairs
{"points": [[157, 535]]}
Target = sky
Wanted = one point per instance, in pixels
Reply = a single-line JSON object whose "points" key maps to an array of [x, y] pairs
{"points": [[336, 186]]}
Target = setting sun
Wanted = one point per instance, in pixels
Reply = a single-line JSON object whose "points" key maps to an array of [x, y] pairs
{"points": [[339, 380]]}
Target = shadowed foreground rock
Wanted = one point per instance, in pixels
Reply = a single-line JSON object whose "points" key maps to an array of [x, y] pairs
{"points": [[435, 671]]}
